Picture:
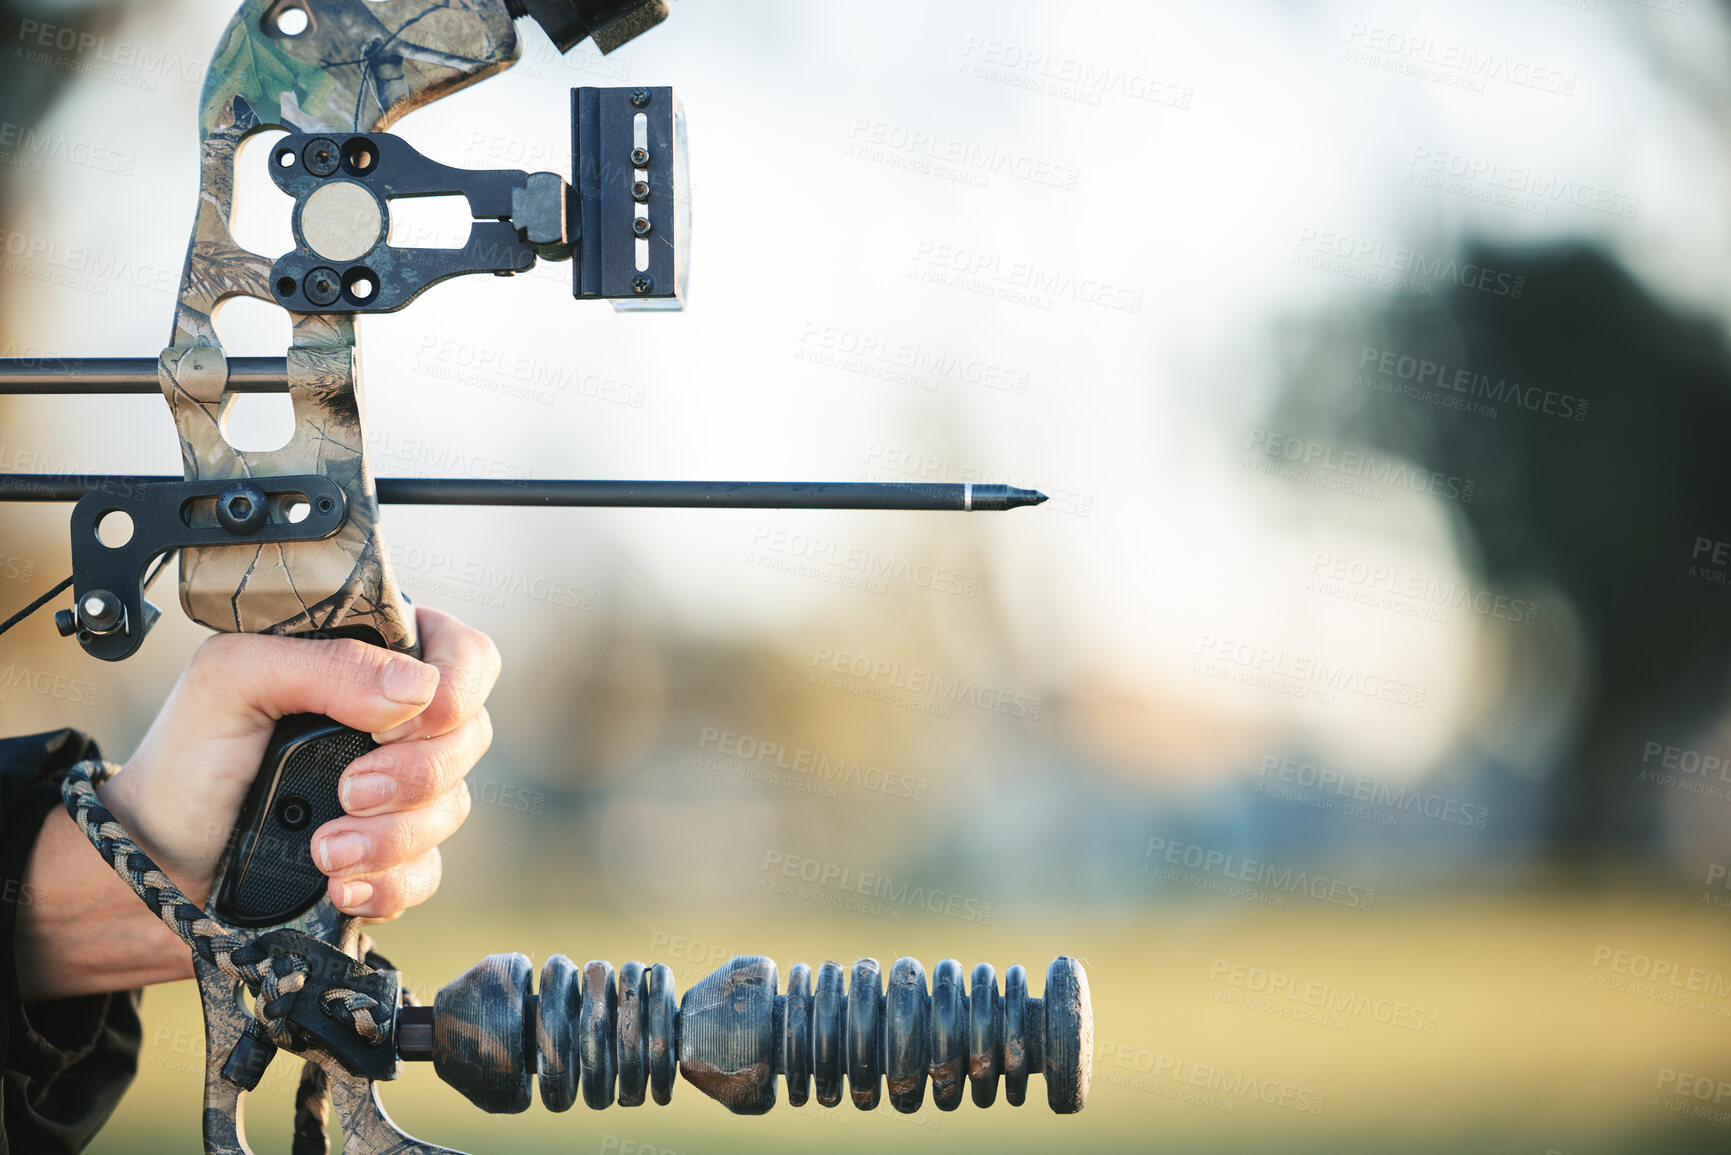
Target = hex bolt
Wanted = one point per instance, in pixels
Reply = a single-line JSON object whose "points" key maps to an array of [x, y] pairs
{"points": [[640, 158], [641, 226], [100, 612], [642, 283], [640, 191], [639, 98], [323, 286], [242, 509], [322, 156]]}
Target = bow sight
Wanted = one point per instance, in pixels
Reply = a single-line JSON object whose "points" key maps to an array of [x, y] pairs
{"points": [[623, 226], [288, 542]]}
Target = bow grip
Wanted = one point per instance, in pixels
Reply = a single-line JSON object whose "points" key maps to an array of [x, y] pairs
{"points": [[268, 875]]}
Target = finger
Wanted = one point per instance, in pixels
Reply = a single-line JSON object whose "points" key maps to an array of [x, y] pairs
{"points": [[349, 847], [389, 893], [404, 775], [468, 663], [265, 677]]}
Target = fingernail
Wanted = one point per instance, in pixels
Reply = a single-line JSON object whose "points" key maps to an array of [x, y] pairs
{"points": [[410, 682], [341, 851], [367, 791], [407, 730], [355, 893]]}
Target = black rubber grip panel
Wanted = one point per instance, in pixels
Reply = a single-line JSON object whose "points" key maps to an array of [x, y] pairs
{"points": [[270, 877]]}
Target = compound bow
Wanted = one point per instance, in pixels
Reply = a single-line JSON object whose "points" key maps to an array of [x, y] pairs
{"points": [[288, 542]]}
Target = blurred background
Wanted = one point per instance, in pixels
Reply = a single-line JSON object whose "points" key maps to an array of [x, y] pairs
{"points": [[1357, 707]]}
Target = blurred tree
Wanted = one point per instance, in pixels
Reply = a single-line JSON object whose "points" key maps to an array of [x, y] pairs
{"points": [[1608, 507]]}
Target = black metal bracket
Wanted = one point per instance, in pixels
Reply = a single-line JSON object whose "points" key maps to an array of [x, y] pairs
{"points": [[610, 22], [110, 615], [624, 225], [343, 185], [628, 155]]}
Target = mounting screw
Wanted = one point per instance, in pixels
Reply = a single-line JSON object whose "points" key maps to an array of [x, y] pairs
{"points": [[639, 97], [641, 226], [242, 509], [322, 156], [66, 622], [100, 612], [293, 812], [640, 158], [640, 191], [642, 283], [323, 286]]}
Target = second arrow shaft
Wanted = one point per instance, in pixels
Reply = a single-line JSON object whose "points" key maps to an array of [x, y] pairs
{"points": [[968, 498]]}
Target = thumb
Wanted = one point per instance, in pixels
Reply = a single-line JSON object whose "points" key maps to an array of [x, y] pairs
{"points": [[262, 678], [182, 788]]}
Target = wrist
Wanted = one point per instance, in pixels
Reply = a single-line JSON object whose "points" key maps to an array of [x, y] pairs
{"points": [[129, 797], [82, 930]]}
